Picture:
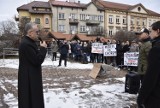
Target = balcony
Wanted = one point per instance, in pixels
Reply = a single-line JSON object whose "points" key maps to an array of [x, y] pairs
{"points": [[92, 22], [73, 21], [94, 33]]}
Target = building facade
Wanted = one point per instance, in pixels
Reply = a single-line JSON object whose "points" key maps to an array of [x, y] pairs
{"points": [[95, 18], [120, 16]]}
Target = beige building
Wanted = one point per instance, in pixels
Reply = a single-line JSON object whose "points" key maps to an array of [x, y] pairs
{"points": [[126, 17], [38, 12]]}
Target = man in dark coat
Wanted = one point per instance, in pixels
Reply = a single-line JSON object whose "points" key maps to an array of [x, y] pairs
{"points": [[149, 94], [64, 47], [30, 90]]}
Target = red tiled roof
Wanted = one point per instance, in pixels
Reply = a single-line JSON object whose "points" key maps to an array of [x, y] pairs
{"points": [[114, 5], [122, 7], [81, 37], [153, 13]]}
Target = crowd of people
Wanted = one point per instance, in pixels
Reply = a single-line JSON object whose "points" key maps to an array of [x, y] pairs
{"points": [[82, 51]]}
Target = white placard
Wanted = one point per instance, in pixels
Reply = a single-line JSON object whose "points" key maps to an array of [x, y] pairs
{"points": [[97, 48], [131, 58], [110, 50]]}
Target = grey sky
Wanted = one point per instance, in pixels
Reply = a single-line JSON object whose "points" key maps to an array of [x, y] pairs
{"points": [[8, 7]]}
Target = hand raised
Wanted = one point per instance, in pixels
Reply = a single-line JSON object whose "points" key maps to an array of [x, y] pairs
{"points": [[43, 44]]}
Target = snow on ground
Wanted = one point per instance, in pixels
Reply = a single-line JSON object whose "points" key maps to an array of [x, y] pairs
{"points": [[102, 95], [13, 63]]}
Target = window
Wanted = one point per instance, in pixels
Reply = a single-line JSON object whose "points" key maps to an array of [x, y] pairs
{"points": [[138, 21], [82, 16], [110, 32], [100, 18], [117, 19], [82, 28], [87, 17], [47, 9], [92, 17], [37, 20], [47, 21], [144, 22], [132, 20], [61, 28], [61, 16], [139, 9], [150, 22], [73, 16], [124, 20], [111, 19], [73, 29]]}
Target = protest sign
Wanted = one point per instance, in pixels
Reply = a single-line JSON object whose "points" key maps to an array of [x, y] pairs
{"points": [[97, 48], [131, 58], [110, 50]]}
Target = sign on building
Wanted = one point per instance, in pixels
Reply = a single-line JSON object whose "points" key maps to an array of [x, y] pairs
{"points": [[110, 50], [131, 58], [97, 48]]}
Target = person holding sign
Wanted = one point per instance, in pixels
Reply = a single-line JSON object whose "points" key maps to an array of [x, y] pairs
{"points": [[143, 51], [149, 94]]}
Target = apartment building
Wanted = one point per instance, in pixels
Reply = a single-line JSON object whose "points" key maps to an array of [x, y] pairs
{"points": [[120, 16], [77, 18]]}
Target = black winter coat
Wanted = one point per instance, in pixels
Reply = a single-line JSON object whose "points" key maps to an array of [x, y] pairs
{"points": [[64, 47], [149, 94], [30, 90]]}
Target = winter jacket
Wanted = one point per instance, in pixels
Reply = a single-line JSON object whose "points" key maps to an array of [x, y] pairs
{"points": [[54, 47], [64, 47], [143, 54], [149, 94]]}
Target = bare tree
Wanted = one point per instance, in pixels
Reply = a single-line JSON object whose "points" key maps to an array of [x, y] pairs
{"points": [[8, 28], [22, 22], [9, 35], [125, 36]]}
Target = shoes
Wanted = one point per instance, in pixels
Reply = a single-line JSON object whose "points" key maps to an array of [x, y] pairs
{"points": [[58, 65]]}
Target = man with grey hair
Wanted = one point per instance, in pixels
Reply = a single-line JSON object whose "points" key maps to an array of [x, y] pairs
{"points": [[30, 89]]}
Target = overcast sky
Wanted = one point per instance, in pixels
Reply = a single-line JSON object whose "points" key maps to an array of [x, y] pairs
{"points": [[8, 8]]}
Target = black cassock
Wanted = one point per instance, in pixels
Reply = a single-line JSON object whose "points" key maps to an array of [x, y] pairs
{"points": [[30, 89]]}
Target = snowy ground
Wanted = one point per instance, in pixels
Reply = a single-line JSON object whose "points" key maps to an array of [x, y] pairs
{"points": [[107, 93]]}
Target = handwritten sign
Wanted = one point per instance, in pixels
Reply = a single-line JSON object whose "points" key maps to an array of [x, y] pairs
{"points": [[97, 48], [131, 58], [110, 50]]}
